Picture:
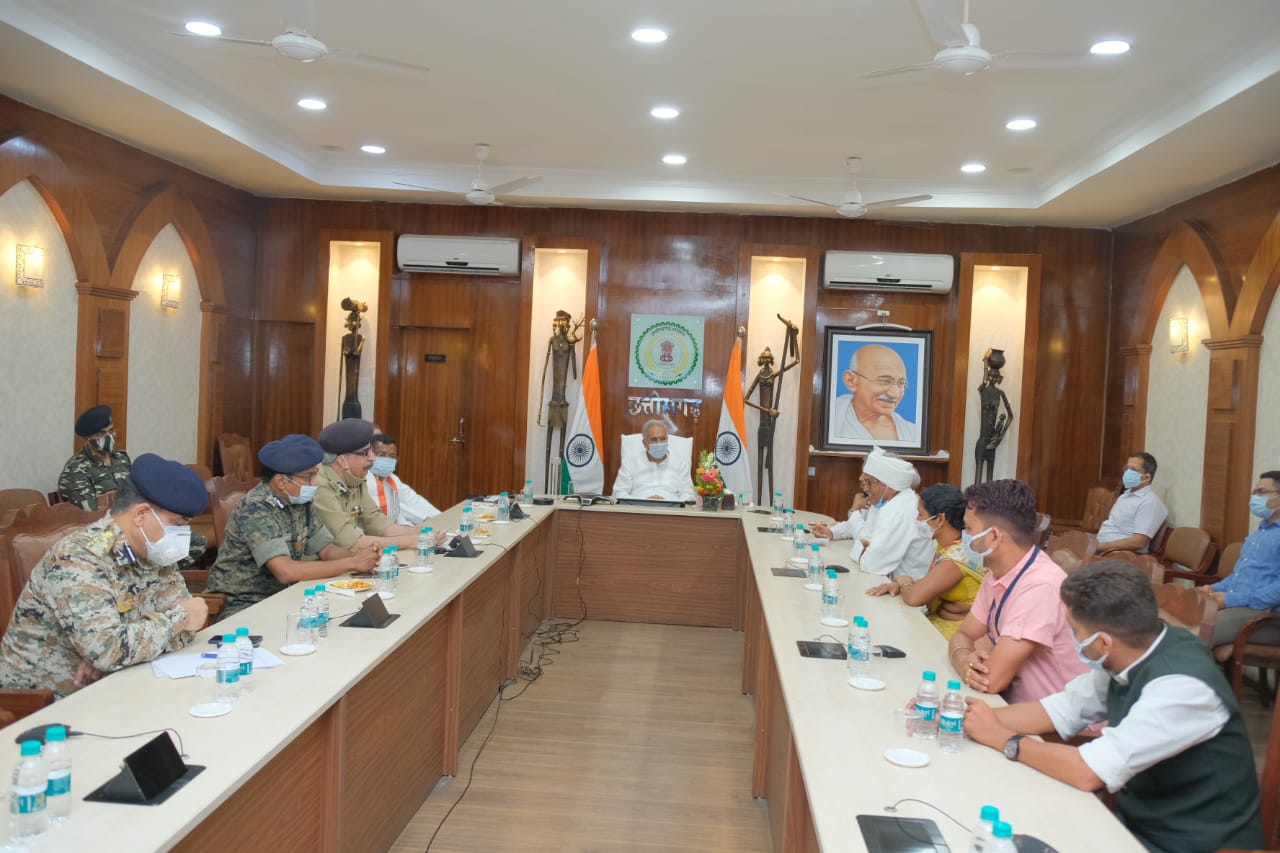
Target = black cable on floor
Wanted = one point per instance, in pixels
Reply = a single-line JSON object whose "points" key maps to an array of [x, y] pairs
{"points": [[471, 774]]}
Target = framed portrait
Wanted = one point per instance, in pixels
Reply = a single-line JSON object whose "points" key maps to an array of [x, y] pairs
{"points": [[876, 390]]}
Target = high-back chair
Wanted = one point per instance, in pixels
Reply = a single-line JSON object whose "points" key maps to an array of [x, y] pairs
{"points": [[20, 499], [236, 456], [1188, 553], [1183, 606]]}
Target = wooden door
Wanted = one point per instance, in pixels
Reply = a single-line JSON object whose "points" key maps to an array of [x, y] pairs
{"points": [[435, 431]]}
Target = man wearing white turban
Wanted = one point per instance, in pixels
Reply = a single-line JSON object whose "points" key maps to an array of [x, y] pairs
{"points": [[893, 540]]}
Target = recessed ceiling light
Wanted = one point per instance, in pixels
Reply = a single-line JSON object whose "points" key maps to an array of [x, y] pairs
{"points": [[1111, 47], [1020, 124], [675, 159], [664, 112], [373, 149], [203, 28], [311, 103], [649, 35], [974, 168]]}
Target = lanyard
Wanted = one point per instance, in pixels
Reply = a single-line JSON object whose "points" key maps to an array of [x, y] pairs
{"points": [[994, 638]]}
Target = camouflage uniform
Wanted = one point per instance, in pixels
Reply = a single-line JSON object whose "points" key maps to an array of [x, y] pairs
{"points": [[262, 527], [83, 478], [348, 511], [91, 599]]}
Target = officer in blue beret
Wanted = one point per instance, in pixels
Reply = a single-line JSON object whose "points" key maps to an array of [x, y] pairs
{"points": [[274, 538], [99, 467]]}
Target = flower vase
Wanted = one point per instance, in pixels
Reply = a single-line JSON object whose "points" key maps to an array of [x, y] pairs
{"points": [[710, 503]]}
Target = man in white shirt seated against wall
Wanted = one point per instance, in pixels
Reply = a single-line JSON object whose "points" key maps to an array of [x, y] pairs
{"points": [[1137, 514], [394, 497], [651, 472]]}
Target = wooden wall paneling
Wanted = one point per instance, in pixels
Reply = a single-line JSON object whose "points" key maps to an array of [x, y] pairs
{"points": [[778, 758], [1231, 422], [334, 731], [1135, 371], [1026, 467], [799, 834], [960, 368], [102, 354], [285, 363], [434, 398], [495, 423], [752, 626], [484, 644], [453, 737], [765, 682], [1259, 284]]}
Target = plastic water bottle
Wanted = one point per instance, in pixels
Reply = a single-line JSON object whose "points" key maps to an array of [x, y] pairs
{"points": [[28, 819], [244, 651], [395, 569], [859, 648], [788, 525], [814, 580], [322, 610], [467, 524], [777, 504], [984, 831], [384, 572], [426, 549], [504, 509], [799, 542], [1001, 839], [927, 705], [57, 756], [951, 718], [229, 669], [526, 496], [830, 614]]}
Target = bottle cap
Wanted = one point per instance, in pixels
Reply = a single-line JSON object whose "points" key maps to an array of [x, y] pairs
{"points": [[1002, 830], [242, 632], [228, 639], [319, 588], [466, 509], [991, 814], [427, 529], [831, 573], [814, 547], [31, 747], [799, 528], [790, 510], [930, 675], [310, 592], [504, 494], [859, 622], [528, 481], [953, 684], [55, 733]]}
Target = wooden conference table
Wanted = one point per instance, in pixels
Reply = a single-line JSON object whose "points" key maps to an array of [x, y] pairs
{"points": [[338, 750]]}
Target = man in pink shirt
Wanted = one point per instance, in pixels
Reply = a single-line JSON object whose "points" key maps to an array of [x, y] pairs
{"points": [[1015, 641]]}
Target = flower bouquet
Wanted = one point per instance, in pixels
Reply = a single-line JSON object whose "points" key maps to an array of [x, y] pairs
{"points": [[708, 482]]}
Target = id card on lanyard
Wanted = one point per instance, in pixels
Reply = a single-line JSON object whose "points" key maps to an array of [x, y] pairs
{"points": [[993, 626]]}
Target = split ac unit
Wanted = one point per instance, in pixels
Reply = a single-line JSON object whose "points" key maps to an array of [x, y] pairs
{"points": [[462, 255], [888, 271]]}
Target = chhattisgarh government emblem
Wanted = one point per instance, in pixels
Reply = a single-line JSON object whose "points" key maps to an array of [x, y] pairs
{"points": [[666, 353]]}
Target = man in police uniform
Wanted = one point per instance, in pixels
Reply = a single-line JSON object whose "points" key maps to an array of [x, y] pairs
{"points": [[99, 467], [273, 537], [109, 595], [342, 501]]}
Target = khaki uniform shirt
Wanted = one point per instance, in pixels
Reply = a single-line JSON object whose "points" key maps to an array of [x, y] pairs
{"points": [[348, 511], [261, 528], [91, 599], [83, 478]]}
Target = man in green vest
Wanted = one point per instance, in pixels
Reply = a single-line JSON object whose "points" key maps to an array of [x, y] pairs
{"points": [[1174, 750]]}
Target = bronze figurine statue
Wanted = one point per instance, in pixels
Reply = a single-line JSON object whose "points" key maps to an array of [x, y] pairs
{"points": [[765, 380], [562, 355], [994, 423], [352, 345]]}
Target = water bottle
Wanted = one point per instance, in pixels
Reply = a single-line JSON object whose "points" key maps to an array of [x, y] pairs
{"points": [[1001, 839], [526, 496], [426, 549], [57, 756], [395, 569], [984, 831], [777, 504], [927, 705], [788, 525], [467, 524], [228, 669], [322, 610], [244, 652], [951, 718], [504, 509], [383, 576], [859, 648], [830, 613], [28, 819], [798, 543], [814, 580]]}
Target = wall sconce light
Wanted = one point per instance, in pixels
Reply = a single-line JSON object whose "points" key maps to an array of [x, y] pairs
{"points": [[1178, 335], [28, 269], [169, 291]]}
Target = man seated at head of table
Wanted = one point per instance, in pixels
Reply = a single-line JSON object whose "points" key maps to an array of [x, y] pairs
{"points": [[394, 497], [273, 539], [650, 472], [1138, 512], [893, 543], [1016, 640], [1253, 587], [1175, 751], [952, 583], [109, 596]]}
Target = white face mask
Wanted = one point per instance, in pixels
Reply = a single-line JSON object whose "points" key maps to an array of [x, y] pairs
{"points": [[969, 540], [106, 443], [173, 545], [1095, 663]]}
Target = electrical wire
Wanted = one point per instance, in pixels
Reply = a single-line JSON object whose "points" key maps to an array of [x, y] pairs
{"points": [[893, 808], [471, 774], [182, 750]]}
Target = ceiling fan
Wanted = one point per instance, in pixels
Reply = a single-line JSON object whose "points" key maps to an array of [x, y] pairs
{"points": [[853, 206], [962, 53], [481, 193]]}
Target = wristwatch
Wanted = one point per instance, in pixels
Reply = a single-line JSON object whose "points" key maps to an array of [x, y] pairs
{"points": [[1011, 747]]}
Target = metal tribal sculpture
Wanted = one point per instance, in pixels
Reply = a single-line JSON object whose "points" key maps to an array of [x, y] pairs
{"points": [[562, 355], [765, 380], [994, 423], [352, 346]]}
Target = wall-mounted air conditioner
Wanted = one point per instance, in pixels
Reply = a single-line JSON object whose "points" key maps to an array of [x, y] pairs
{"points": [[462, 255], [888, 271]]}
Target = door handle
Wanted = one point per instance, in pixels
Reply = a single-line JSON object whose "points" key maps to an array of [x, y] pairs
{"points": [[461, 437]]}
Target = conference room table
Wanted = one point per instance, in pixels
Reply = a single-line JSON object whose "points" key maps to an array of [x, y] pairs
{"points": [[337, 750]]}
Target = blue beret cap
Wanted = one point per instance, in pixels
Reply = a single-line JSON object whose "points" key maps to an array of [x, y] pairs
{"points": [[291, 454], [346, 436], [93, 420], [169, 485]]}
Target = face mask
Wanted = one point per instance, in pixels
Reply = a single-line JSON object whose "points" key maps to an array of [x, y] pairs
{"points": [[925, 530], [106, 444], [1096, 664], [304, 496], [1131, 478], [173, 545], [881, 503], [968, 543], [659, 450], [1258, 506], [383, 466]]}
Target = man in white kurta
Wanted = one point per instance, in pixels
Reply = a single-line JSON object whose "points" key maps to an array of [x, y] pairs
{"points": [[397, 500], [649, 471], [896, 542]]}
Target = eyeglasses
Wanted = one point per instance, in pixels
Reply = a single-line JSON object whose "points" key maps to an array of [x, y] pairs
{"points": [[884, 382], [303, 481], [868, 482], [367, 450], [1261, 492]]}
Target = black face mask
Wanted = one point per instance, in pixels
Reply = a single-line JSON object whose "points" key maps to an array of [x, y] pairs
{"points": [[106, 443]]}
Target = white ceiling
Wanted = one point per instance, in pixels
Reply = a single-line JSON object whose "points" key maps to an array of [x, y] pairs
{"points": [[770, 93]]}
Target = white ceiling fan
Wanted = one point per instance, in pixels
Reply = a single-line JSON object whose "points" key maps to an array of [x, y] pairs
{"points": [[481, 193], [852, 206], [962, 53]]}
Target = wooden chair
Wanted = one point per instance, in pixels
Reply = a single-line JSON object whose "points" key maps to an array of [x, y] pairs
{"points": [[1228, 558], [1149, 565], [1235, 656], [20, 498], [28, 538], [1188, 553], [1271, 785], [236, 456], [1186, 608], [224, 494], [1072, 549], [1042, 529], [202, 470], [1097, 506]]}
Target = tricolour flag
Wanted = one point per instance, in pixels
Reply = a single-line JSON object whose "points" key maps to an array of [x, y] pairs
{"points": [[731, 437], [582, 468]]}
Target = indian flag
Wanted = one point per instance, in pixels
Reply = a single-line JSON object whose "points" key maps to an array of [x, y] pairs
{"points": [[731, 437], [582, 468]]}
